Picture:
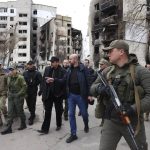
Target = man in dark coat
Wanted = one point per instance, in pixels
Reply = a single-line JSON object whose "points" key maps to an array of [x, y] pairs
{"points": [[78, 94], [52, 92], [33, 78], [119, 75]]}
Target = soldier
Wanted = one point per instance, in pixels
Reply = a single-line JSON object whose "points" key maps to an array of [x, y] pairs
{"points": [[147, 113], [16, 93], [103, 64], [119, 75], [3, 94], [33, 78]]}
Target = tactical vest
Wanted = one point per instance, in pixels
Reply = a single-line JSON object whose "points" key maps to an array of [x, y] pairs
{"points": [[122, 81]]}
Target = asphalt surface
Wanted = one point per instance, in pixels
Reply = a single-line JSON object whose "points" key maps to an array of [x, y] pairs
{"points": [[30, 139]]}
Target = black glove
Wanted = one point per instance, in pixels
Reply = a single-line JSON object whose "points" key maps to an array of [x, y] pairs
{"points": [[39, 93], [91, 102], [101, 89], [128, 110]]}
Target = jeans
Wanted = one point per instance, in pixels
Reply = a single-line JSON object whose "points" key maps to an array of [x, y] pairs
{"points": [[74, 100]]}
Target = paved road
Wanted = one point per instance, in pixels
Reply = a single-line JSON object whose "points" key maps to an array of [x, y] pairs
{"points": [[29, 139]]}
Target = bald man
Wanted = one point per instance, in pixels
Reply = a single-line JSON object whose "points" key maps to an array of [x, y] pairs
{"points": [[78, 94]]}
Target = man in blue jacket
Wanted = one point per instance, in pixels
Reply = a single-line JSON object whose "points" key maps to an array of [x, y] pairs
{"points": [[78, 94]]}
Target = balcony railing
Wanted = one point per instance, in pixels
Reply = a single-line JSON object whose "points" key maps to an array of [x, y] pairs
{"points": [[109, 20], [108, 4]]}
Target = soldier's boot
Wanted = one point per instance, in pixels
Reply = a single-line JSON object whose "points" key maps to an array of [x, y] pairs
{"points": [[102, 123], [8, 130], [147, 117], [1, 122], [22, 126], [31, 119]]}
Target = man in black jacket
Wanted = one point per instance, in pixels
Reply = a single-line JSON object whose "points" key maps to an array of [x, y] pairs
{"points": [[33, 78], [52, 92]]}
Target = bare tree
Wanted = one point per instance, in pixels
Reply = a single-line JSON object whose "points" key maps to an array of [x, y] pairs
{"points": [[8, 40]]}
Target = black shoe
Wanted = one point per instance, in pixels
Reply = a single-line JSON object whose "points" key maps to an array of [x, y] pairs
{"points": [[6, 131], [22, 127], [42, 131], [86, 129], [79, 114], [58, 128], [71, 138], [30, 122]]}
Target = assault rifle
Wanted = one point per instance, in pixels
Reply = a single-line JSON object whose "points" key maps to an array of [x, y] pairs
{"points": [[118, 107]]}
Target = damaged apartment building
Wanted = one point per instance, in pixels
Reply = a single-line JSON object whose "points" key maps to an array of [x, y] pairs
{"points": [[119, 19], [21, 20], [59, 38]]}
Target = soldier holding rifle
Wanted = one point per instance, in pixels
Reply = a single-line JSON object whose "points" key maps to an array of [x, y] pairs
{"points": [[126, 91]]}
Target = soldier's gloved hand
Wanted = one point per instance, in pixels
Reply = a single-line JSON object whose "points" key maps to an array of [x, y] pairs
{"points": [[101, 89], [128, 110]]}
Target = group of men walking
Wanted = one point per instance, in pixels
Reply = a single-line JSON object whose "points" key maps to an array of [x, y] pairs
{"points": [[77, 83]]}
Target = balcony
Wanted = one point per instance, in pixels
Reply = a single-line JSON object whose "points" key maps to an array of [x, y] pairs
{"points": [[61, 42], [110, 20], [111, 4], [108, 37]]}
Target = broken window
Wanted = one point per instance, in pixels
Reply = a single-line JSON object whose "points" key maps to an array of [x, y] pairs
{"points": [[11, 18], [22, 54], [68, 50], [97, 6], [96, 50], [96, 35], [96, 20], [11, 10], [35, 12], [68, 32]]}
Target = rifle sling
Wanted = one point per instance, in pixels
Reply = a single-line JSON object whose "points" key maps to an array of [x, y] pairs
{"points": [[137, 98]]}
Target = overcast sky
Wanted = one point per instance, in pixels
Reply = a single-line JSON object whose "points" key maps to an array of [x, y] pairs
{"points": [[77, 9]]}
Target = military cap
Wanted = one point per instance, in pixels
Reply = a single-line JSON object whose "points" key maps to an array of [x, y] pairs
{"points": [[120, 44], [30, 62], [12, 67]]}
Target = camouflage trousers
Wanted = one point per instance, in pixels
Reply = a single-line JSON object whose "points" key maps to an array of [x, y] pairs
{"points": [[15, 108], [3, 108], [112, 132]]}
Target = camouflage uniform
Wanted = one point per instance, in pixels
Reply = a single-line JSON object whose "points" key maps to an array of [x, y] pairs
{"points": [[17, 90], [113, 128], [3, 93], [16, 93]]}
